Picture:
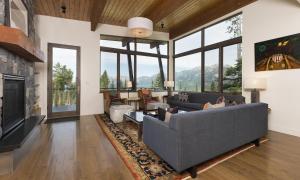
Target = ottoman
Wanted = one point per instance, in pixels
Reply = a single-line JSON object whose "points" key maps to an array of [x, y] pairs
{"points": [[156, 105], [116, 112]]}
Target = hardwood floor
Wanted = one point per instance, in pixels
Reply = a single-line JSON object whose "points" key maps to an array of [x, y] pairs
{"points": [[71, 150], [79, 150], [278, 159]]}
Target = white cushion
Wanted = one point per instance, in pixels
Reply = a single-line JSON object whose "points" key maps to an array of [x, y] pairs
{"points": [[116, 112]]}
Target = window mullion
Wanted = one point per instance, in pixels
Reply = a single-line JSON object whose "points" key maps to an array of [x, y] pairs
{"points": [[202, 60], [221, 69]]}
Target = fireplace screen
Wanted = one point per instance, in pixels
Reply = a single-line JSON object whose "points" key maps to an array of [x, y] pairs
{"points": [[13, 102]]}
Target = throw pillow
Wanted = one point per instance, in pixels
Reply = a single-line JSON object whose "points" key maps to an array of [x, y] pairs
{"points": [[220, 100], [180, 96], [213, 106], [185, 97], [168, 117], [173, 110]]}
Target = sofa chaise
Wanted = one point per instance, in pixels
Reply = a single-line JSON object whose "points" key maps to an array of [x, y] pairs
{"points": [[192, 138]]}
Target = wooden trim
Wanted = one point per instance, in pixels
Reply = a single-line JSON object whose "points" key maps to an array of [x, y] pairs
{"points": [[96, 12], [49, 80], [161, 9], [17, 42]]}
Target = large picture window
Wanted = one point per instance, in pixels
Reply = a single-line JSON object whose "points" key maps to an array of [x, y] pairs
{"points": [[146, 67], [211, 70], [108, 78], [232, 68], [210, 60], [188, 73]]}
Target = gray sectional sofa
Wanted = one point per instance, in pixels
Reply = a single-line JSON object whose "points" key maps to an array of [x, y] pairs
{"points": [[196, 100], [192, 138]]}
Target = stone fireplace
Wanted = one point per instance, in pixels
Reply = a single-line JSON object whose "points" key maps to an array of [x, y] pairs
{"points": [[18, 55], [13, 64]]}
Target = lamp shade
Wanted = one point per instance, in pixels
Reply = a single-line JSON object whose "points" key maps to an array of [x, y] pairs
{"points": [[140, 27], [255, 83], [129, 84], [169, 84]]}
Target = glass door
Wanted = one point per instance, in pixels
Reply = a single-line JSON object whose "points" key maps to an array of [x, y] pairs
{"points": [[63, 80]]}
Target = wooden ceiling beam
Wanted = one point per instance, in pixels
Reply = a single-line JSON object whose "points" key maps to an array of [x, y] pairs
{"points": [[203, 17], [96, 12], [161, 9]]}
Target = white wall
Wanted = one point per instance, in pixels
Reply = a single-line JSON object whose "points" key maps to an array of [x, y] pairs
{"points": [[78, 33], [265, 20]]}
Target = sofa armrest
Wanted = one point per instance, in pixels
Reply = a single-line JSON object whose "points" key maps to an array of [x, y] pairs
{"points": [[162, 140]]}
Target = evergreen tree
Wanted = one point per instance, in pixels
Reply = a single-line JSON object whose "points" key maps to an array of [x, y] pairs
{"points": [[213, 86], [158, 82], [62, 84], [104, 80], [180, 85], [233, 76], [112, 85]]}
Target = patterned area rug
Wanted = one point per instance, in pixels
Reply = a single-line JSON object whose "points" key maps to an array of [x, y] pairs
{"points": [[144, 163]]}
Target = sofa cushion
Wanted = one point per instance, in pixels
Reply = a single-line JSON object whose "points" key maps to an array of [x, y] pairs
{"points": [[213, 106]]}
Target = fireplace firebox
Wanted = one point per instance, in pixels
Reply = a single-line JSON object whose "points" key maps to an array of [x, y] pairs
{"points": [[13, 105]]}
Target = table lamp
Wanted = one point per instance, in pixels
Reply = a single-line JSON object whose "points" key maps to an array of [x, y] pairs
{"points": [[129, 86], [169, 85], [255, 85]]}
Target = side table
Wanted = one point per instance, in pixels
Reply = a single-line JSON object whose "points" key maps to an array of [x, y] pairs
{"points": [[135, 100]]}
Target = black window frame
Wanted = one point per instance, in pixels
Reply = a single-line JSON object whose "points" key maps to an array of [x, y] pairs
{"points": [[203, 49], [135, 53]]}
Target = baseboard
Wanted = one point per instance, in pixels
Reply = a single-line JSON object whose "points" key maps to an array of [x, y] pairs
{"points": [[284, 130]]}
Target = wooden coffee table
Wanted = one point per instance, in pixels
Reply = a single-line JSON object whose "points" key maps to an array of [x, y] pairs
{"points": [[137, 118]]}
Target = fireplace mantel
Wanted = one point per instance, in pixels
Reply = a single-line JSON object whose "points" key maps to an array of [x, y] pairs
{"points": [[17, 42]]}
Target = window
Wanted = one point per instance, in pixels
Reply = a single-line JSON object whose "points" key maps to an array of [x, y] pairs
{"points": [[112, 44], [211, 70], [232, 69], [148, 73], [125, 71], [225, 30], [188, 43], [108, 77], [220, 72], [188, 73], [146, 66]]}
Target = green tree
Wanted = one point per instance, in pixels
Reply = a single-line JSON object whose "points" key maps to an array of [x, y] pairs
{"points": [[62, 77], [158, 82], [233, 77], [112, 85], [104, 80], [62, 85], [213, 86], [235, 27]]}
